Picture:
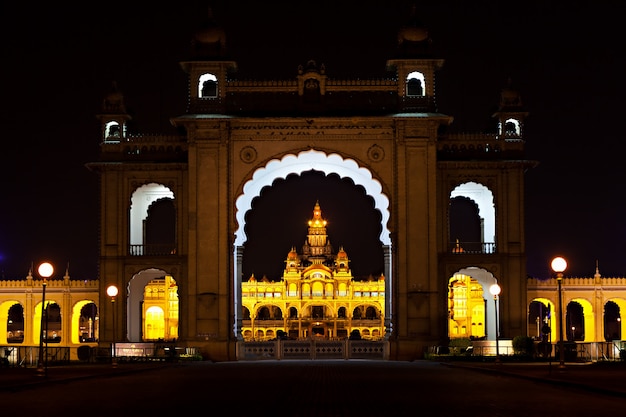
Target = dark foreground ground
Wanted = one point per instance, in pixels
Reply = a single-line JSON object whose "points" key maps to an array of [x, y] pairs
{"points": [[317, 388]]}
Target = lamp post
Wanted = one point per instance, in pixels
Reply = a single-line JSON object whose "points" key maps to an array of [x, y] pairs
{"points": [[559, 265], [112, 292], [45, 271], [495, 291]]}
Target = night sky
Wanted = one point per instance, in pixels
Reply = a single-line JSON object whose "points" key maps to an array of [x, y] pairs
{"points": [[59, 61]]}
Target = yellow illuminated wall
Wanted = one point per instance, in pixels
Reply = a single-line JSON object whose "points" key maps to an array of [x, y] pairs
{"points": [[317, 296], [466, 308], [160, 310]]}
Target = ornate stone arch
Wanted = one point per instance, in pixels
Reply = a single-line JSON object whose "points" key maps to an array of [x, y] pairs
{"points": [[329, 163]]}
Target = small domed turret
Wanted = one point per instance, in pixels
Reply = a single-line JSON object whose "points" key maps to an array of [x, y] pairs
{"points": [[209, 41]]}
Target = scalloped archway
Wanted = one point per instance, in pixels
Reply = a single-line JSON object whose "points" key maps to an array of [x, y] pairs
{"points": [[305, 161], [312, 159]]}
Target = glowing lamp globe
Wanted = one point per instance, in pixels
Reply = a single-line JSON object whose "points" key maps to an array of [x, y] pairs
{"points": [[494, 290], [558, 264], [112, 291], [46, 270]]}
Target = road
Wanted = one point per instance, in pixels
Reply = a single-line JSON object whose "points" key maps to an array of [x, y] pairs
{"points": [[306, 389]]}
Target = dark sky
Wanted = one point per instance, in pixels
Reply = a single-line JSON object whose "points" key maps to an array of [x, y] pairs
{"points": [[58, 62]]}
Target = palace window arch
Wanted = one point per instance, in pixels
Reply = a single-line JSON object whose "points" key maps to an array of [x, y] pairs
{"points": [[415, 84], [207, 86], [112, 131], [483, 198], [142, 200], [512, 127], [296, 164]]}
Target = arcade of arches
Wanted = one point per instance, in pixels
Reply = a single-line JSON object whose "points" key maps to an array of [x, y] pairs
{"points": [[313, 298]]}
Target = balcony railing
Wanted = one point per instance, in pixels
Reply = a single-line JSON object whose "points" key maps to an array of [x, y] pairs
{"points": [[471, 248], [156, 249]]}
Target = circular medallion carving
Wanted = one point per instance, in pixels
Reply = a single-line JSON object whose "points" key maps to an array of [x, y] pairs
{"points": [[376, 153], [248, 154]]}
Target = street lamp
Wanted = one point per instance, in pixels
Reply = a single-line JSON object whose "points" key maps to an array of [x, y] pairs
{"points": [[559, 265], [112, 292], [45, 271], [495, 291]]}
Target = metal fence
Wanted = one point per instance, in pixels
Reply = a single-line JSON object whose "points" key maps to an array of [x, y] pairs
{"points": [[29, 355], [313, 349]]}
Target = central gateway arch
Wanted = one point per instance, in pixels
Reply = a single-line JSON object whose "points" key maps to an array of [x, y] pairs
{"points": [[297, 164]]}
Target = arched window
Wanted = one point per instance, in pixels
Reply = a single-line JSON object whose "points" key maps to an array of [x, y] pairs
{"points": [[141, 207], [112, 131], [481, 198], [15, 324], [263, 314], [370, 313], [207, 86], [415, 84], [512, 127]]}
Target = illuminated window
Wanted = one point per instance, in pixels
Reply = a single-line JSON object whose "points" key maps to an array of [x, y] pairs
{"points": [[415, 84], [207, 87]]}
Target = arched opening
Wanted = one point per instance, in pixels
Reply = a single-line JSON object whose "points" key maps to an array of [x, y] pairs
{"points": [[465, 224], [52, 326], [482, 198], [579, 321], [84, 323], [512, 127], [612, 321], [141, 202], [469, 314], [574, 322], [12, 313], [112, 131], [540, 319], [263, 181], [207, 86], [415, 84], [154, 324], [160, 228], [150, 291], [614, 324]]}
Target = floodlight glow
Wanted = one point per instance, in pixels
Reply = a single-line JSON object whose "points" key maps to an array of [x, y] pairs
{"points": [[495, 290], [46, 270], [558, 264], [112, 291]]}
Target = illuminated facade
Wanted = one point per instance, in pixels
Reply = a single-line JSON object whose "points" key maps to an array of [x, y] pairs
{"points": [[160, 310], [384, 133], [70, 319], [317, 296], [592, 308]]}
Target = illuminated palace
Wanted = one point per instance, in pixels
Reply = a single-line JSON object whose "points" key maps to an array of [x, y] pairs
{"points": [[317, 296], [449, 206]]}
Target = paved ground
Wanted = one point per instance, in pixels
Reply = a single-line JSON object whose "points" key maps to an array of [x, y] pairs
{"points": [[316, 388], [606, 377]]}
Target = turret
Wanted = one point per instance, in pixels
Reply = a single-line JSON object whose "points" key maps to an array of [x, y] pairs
{"points": [[510, 115], [114, 118]]}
